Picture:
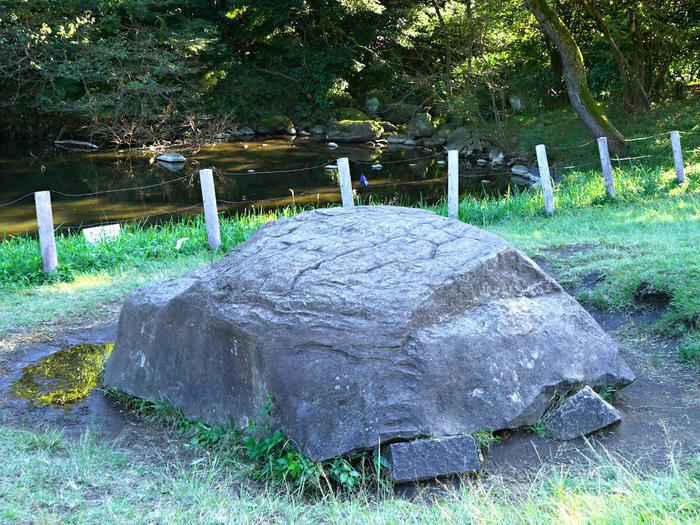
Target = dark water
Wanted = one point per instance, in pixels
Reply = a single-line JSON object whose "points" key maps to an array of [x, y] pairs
{"points": [[27, 168]]}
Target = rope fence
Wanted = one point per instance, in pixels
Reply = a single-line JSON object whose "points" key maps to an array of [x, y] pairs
{"points": [[342, 165]]}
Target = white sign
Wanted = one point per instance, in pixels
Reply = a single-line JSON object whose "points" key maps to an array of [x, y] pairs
{"points": [[101, 233]]}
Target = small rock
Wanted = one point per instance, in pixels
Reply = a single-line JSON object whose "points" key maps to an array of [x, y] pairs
{"points": [[413, 165], [515, 102], [372, 103], [581, 414], [171, 157], [519, 169], [421, 125], [332, 145], [481, 162], [434, 141], [430, 458], [251, 171], [244, 131], [304, 133], [377, 166], [397, 139], [441, 163]]}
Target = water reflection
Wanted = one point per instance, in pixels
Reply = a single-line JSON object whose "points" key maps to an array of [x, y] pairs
{"points": [[28, 168]]}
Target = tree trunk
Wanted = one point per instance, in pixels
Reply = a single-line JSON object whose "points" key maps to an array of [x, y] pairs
{"points": [[580, 96], [624, 66], [448, 53]]}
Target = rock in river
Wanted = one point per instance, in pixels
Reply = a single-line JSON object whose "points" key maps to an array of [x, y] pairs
{"points": [[363, 325], [172, 158]]}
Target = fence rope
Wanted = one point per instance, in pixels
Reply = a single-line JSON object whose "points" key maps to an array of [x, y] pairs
{"points": [[171, 181], [271, 172], [16, 200], [432, 156]]}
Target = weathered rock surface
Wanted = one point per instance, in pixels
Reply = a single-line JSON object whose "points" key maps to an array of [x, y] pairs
{"points": [[276, 124], [431, 458], [353, 131], [519, 169], [581, 414], [421, 125], [365, 325], [400, 112]]}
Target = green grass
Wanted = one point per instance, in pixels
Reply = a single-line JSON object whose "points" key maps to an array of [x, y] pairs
{"points": [[642, 242], [47, 478], [561, 131]]}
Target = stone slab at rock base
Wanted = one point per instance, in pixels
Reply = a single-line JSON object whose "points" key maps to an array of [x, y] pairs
{"points": [[581, 414], [431, 458]]}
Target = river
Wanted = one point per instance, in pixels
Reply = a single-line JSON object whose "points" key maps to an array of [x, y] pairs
{"points": [[407, 176]]}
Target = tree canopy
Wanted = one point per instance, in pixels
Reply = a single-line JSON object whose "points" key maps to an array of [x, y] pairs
{"points": [[128, 68]]}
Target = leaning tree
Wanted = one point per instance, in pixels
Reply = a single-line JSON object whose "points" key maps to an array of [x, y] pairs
{"points": [[586, 107]]}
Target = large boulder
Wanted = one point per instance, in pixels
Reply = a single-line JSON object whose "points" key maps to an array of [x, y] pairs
{"points": [[350, 114], [363, 325], [421, 126], [400, 112], [353, 131], [276, 124]]}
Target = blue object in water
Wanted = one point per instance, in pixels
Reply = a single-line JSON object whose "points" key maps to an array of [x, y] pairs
{"points": [[363, 181]]}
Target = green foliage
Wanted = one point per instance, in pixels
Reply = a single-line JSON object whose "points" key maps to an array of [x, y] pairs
{"points": [[20, 257], [485, 438], [538, 428], [135, 71], [690, 352], [274, 457], [607, 393]]}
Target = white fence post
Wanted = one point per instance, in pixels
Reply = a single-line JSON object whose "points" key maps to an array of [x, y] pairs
{"points": [[211, 214], [345, 182], [452, 183], [47, 241], [605, 164], [677, 155], [545, 180]]}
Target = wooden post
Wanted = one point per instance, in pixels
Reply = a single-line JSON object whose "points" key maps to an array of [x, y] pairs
{"points": [[47, 241], [345, 182], [211, 214], [607, 169], [545, 179], [677, 155], [453, 183]]}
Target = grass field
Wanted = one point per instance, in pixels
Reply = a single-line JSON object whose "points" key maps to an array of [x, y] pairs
{"points": [[47, 478], [614, 254]]}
